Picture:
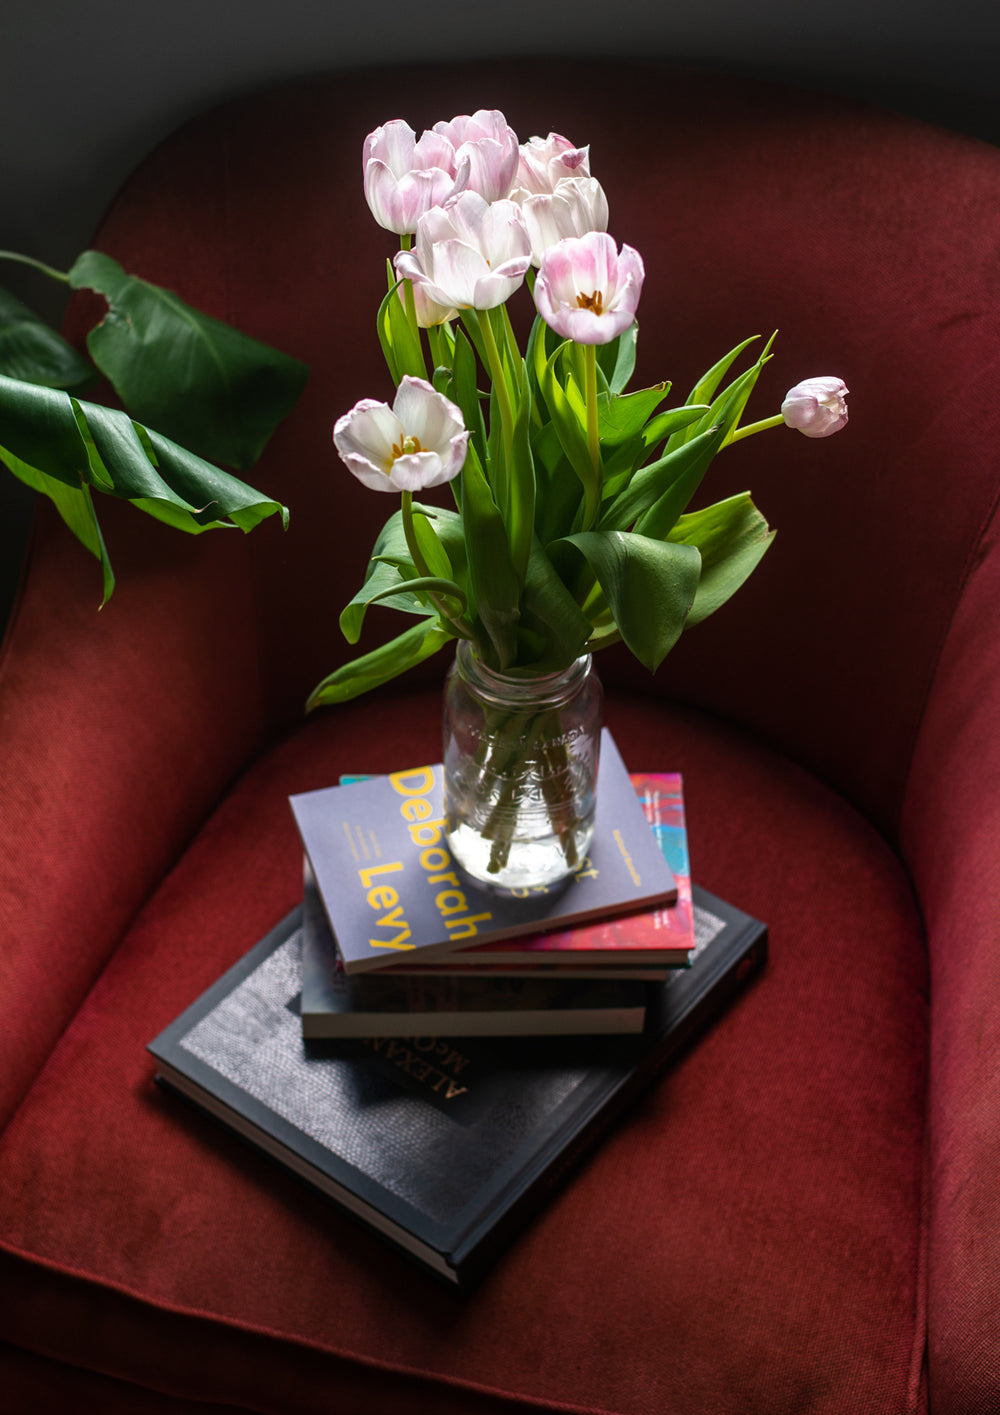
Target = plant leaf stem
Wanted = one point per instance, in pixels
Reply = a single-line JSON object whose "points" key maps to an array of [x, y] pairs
{"points": [[61, 275], [762, 426], [592, 502], [409, 304]]}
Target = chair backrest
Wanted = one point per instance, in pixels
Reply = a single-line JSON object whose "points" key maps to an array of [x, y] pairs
{"points": [[866, 239]]}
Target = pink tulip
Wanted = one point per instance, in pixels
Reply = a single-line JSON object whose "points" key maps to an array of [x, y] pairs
{"points": [[487, 142], [544, 162], [816, 406], [419, 442], [469, 253], [576, 206], [404, 177], [586, 290]]}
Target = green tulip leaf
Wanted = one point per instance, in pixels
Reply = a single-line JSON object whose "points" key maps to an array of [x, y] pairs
{"points": [[732, 537], [657, 494], [704, 390], [650, 586], [571, 428], [386, 582], [465, 394], [551, 620], [616, 360], [391, 578], [623, 416], [380, 666], [496, 590], [400, 339], [34, 353], [665, 424], [200, 382], [522, 486]]}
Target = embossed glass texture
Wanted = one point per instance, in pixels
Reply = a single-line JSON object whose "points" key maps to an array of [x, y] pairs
{"points": [[520, 771]]}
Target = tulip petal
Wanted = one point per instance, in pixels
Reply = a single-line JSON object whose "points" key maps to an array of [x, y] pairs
{"points": [[433, 419]]}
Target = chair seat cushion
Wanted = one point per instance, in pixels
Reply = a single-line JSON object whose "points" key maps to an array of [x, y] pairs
{"points": [[749, 1238]]}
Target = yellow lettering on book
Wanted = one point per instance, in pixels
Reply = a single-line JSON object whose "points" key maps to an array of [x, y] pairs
{"points": [[429, 833], [420, 1069], [394, 920], [629, 863], [422, 779], [450, 901], [369, 874], [465, 928]]}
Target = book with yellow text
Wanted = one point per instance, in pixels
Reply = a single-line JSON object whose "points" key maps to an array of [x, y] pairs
{"points": [[391, 890]]}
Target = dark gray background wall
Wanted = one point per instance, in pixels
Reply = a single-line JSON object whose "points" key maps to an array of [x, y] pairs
{"points": [[87, 87]]}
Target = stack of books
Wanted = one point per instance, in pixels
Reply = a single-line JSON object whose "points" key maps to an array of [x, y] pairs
{"points": [[433, 1054], [395, 938]]}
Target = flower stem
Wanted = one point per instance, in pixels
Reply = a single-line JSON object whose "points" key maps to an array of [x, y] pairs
{"points": [[592, 492], [495, 364], [762, 426], [405, 243], [50, 271]]}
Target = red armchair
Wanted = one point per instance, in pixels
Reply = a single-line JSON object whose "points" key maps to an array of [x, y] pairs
{"points": [[803, 1215]]}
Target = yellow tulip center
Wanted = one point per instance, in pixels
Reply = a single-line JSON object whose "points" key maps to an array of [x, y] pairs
{"points": [[406, 448], [594, 302]]}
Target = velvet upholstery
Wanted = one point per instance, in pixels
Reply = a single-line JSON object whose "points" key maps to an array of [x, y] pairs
{"points": [[802, 1215]]}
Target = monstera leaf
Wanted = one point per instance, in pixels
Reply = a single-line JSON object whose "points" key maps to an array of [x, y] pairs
{"points": [[64, 447], [198, 381], [211, 393], [31, 351]]}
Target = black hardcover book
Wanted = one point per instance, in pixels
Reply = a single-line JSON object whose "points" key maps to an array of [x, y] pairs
{"points": [[444, 1146]]}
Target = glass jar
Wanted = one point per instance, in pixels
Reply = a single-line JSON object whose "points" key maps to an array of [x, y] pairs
{"points": [[520, 770]]}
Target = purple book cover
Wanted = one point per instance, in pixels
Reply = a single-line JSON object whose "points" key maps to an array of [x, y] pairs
{"points": [[391, 889], [663, 934]]}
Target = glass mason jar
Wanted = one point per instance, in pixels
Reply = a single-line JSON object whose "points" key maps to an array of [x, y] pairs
{"points": [[520, 770]]}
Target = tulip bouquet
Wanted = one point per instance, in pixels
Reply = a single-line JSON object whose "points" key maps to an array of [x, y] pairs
{"points": [[570, 529]]}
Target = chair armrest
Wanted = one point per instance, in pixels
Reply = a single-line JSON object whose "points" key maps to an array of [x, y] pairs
{"points": [[951, 838], [119, 728]]}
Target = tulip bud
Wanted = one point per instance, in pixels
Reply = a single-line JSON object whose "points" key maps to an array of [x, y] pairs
{"points": [[489, 144], [404, 178], [545, 162], [577, 205], [816, 406]]}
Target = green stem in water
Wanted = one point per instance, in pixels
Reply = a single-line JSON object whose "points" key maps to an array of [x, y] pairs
{"points": [[762, 426], [61, 275]]}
